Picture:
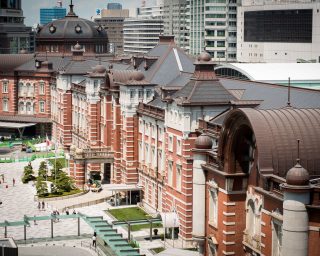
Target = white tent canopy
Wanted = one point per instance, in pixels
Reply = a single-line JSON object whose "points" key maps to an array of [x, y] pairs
{"points": [[170, 219], [19, 126]]}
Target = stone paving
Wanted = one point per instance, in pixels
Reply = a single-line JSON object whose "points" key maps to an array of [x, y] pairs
{"points": [[19, 200]]}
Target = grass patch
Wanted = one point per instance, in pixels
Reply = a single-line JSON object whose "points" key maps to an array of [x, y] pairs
{"points": [[133, 213], [72, 192], [158, 250], [61, 161]]}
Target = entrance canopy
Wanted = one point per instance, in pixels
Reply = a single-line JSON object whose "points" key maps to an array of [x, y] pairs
{"points": [[19, 126], [121, 187], [170, 219]]}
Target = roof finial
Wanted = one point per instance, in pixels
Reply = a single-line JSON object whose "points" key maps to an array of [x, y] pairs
{"points": [[289, 87], [298, 159], [71, 12]]}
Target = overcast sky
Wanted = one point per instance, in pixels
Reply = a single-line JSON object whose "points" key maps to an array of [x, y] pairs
{"points": [[83, 8]]}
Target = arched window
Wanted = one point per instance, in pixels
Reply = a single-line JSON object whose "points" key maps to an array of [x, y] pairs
{"points": [[21, 108], [250, 223], [28, 89], [20, 89], [29, 108]]}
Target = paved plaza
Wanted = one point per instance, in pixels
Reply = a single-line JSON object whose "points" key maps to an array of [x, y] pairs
{"points": [[19, 200]]}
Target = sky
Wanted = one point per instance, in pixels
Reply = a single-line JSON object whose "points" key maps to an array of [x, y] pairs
{"points": [[83, 8]]}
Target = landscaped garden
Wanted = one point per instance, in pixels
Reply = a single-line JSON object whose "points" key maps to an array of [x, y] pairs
{"points": [[51, 182], [133, 213]]}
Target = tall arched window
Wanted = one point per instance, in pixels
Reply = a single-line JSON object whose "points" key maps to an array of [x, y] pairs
{"points": [[28, 89], [29, 108], [20, 89], [21, 108], [250, 223]]}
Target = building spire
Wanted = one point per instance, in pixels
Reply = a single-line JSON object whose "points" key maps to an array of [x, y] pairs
{"points": [[298, 159], [71, 12], [289, 95]]}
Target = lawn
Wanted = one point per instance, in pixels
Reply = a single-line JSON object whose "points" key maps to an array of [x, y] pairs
{"points": [[133, 213], [62, 162]]}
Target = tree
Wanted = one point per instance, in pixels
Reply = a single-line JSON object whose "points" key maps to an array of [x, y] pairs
{"points": [[42, 188], [28, 174], [43, 170], [64, 182]]}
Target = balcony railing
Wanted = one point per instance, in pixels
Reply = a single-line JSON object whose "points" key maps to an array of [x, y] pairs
{"points": [[96, 153]]}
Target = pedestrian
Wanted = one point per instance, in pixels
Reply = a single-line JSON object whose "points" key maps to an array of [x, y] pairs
{"points": [[74, 211], [67, 211], [39, 206], [13, 181], [57, 215], [34, 221], [43, 205], [94, 239]]}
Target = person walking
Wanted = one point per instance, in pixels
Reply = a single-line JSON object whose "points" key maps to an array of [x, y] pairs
{"points": [[13, 181], [43, 205], [94, 239], [39, 206]]}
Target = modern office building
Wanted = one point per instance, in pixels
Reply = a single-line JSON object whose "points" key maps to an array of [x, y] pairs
{"points": [[175, 21], [212, 26], [50, 14], [114, 6], [141, 34], [282, 31], [14, 35]]}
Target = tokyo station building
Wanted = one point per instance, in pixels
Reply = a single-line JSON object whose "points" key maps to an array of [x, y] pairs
{"points": [[220, 154]]}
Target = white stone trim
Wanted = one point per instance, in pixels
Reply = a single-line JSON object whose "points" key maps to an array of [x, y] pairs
{"points": [[229, 203], [228, 253], [229, 213], [228, 232], [228, 223], [228, 243]]}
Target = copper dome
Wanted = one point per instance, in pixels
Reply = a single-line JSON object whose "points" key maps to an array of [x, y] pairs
{"points": [[99, 69], [297, 176], [204, 56], [203, 142], [137, 76]]}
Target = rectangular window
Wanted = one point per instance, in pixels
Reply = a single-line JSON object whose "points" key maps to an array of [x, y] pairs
{"points": [[213, 207], [276, 238], [170, 143], [131, 94], [170, 172], [5, 85], [140, 94], [41, 88], [178, 177], [41, 105], [5, 105], [179, 147], [148, 92]]}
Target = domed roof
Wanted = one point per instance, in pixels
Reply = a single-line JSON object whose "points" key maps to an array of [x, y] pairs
{"points": [[297, 176], [99, 69], [137, 76], [71, 27], [204, 56], [203, 142]]}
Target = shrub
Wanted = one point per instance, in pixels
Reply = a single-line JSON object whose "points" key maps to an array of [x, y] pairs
{"points": [[41, 186], [28, 174]]}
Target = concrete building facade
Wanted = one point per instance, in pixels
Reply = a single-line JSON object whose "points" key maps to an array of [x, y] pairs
{"points": [[14, 35], [292, 35]]}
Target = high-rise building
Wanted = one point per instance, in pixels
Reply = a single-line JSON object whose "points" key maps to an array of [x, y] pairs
{"points": [[281, 31], [50, 14], [141, 34], [114, 6], [213, 27], [175, 21], [14, 35]]}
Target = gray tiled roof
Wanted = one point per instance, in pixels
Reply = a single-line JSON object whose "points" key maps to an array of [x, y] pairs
{"points": [[8, 62], [204, 92], [274, 96], [166, 68]]}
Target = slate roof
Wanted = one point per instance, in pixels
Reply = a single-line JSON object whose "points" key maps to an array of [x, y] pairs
{"points": [[274, 96], [8, 62], [172, 65]]}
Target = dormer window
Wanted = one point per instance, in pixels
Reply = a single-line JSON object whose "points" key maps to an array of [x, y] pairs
{"points": [[52, 29], [78, 29]]}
